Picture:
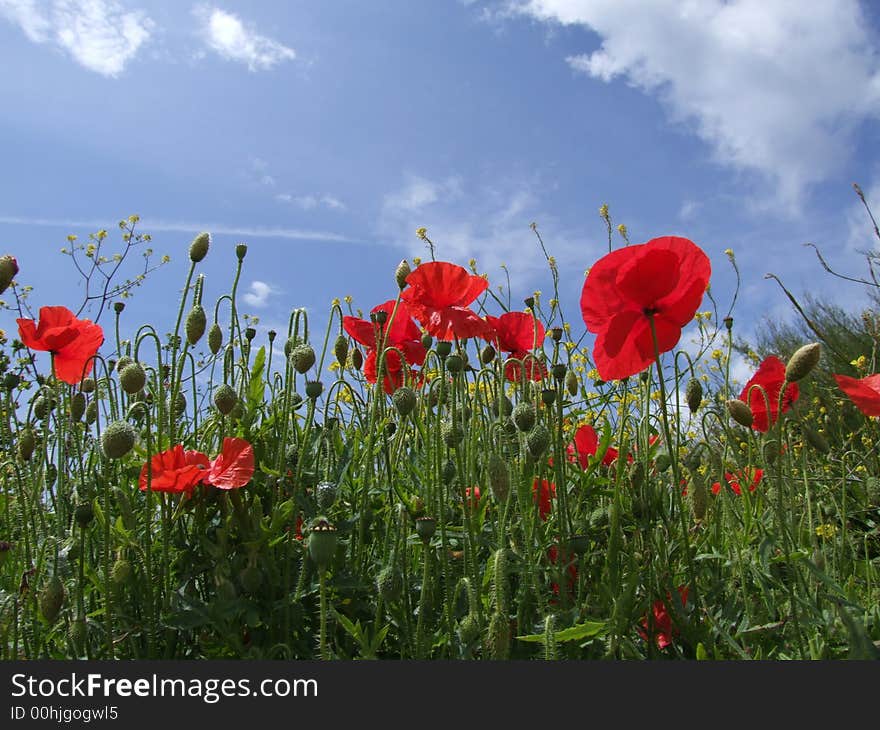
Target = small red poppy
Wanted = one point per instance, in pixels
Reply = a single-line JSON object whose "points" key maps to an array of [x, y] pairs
{"points": [[664, 630], [770, 376], [663, 279], [72, 341], [439, 296], [864, 392], [741, 476], [402, 334], [473, 495], [553, 557], [519, 333], [543, 492], [175, 471]]}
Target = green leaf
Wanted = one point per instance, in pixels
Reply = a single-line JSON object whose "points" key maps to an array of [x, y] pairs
{"points": [[578, 632], [256, 386]]}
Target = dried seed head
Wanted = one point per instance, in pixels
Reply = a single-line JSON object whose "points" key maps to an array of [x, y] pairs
{"points": [[802, 362], [425, 528]]}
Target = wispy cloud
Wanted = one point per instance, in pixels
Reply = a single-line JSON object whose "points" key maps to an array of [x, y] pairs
{"points": [[776, 88], [228, 36], [100, 35], [148, 224], [310, 202], [258, 294]]}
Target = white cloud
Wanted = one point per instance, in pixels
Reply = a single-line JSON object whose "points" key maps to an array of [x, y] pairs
{"points": [[259, 293], [310, 202], [148, 224], [225, 34], [100, 35], [689, 209], [776, 88], [490, 223]]}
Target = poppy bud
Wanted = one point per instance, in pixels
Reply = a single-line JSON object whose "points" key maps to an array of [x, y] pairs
{"points": [[51, 599], [401, 272], [120, 571], [340, 350], [271, 334], [389, 584], [699, 495], [196, 322], [119, 307], [499, 477], [92, 412], [802, 362], [8, 270], [249, 334], [178, 405], [503, 405], [215, 338], [425, 528], [325, 494], [404, 400], [122, 363], [815, 439], [740, 412], [487, 354], [444, 348], [26, 444], [11, 381], [118, 439], [357, 359], [452, 433], [538, 440], [43, 404], [133, 377], [524, 416], [694, 394], [302, 357], [241, 251], [225, 399], [77, 406], [571, 382], [88, 385], [198, 249], [454, 363], [427, 341]]}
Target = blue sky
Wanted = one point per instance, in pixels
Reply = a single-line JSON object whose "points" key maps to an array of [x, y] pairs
{"points": [[323, 134]]}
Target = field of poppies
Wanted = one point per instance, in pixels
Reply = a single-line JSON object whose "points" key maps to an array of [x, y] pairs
{"points": [[448, 476]]}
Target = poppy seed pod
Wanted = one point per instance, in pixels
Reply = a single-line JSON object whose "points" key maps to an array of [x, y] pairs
{"points": [[802, 362], [133, 378], [119, 307], [487, 354], [198, 249], [325, 494], [454, 363], [84, 513], [314, 388], [241, 251], [118, 439], [444, 348], [740, 412], [401, 272], [8, 270], [425, 528], [215, 338], [196, 322], [322, 542], [559, 371], [499, 477], [427, 341]]}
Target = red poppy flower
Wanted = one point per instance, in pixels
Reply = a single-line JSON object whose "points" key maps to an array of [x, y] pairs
{"points": [[439, 296], [664, 278], [663, 628], [770, 376], [586, 444], [402, 334], [72, 341], [543, 492], [742, 475], [175, 470], [864, 392], [234, 465], [519, 333], [298, 532], [473, 495]]}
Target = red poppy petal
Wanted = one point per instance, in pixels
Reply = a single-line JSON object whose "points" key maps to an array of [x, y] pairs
{"points": [[517, 331], [863, 392], [586, 441], [234, 466], [601, 298], [441, 284], [647, 278], [360, 330]]}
